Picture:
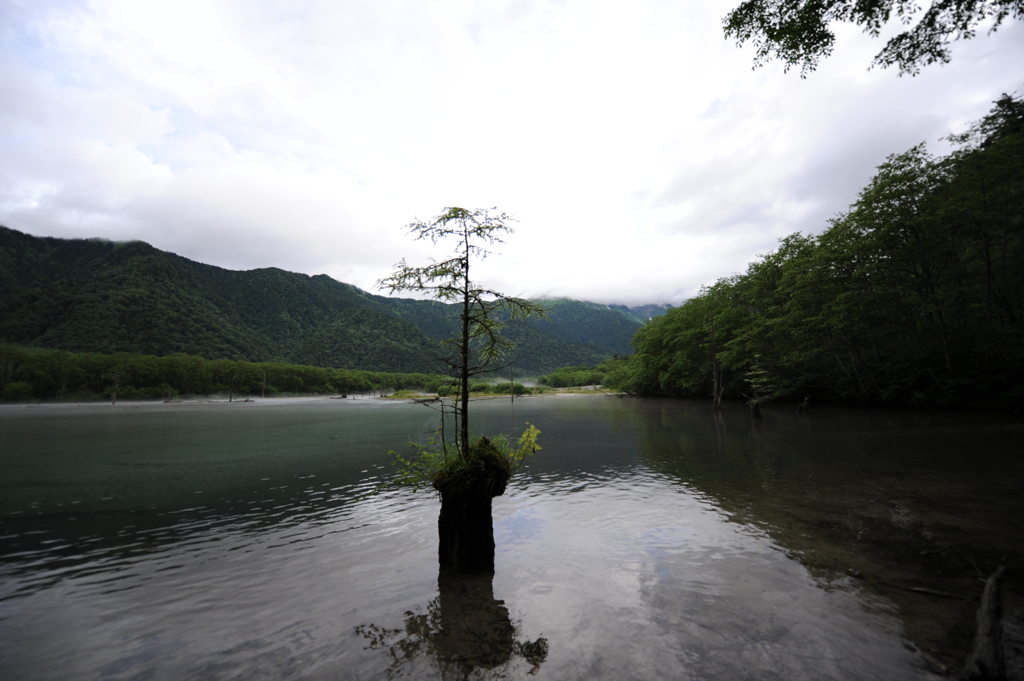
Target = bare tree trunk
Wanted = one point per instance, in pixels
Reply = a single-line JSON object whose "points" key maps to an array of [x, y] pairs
{"points": [[716, 385], [717, 388], [464, 361], [986, 661]]}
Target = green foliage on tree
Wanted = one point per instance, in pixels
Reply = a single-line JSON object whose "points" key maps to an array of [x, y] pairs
{"points": [[477, 347], [611, 373], [800, 32], [571, 377], [761, 388], [444, 467], [511, 388], [915, 295]]}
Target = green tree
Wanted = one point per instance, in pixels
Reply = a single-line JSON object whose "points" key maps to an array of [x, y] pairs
{"points": [[914, 295], [478, 471], [478, 346], [799, 32]]}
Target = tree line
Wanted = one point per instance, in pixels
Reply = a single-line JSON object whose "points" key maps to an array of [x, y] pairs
{"points": [[611, 372], [915, 295], [37, 374]]}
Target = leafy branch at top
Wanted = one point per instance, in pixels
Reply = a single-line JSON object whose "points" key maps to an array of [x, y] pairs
{"points": [[477, 346], [799, 32]]}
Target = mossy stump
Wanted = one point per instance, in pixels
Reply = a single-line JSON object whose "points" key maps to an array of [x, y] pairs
{"points": [[465, 527]]}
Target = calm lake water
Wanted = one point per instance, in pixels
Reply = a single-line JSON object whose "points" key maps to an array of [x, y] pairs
{"points": [[648, 540]]}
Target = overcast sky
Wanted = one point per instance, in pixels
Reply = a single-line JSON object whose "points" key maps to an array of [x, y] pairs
{"points": [[640, 153]]}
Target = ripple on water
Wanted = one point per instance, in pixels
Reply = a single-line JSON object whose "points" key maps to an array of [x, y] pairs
{"points": [[260, 560]]}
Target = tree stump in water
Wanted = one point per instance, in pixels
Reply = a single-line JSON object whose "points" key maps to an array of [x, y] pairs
{"points": [[465, 527], [466, 531]]}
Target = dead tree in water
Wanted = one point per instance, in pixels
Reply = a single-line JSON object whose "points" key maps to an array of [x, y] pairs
{"points": [[717, 385], [986, 661], [116, 375]]}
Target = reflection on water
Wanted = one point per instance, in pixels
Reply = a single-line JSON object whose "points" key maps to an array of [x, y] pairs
{"points": [[464, 631], [912, 507], [649, 539]]}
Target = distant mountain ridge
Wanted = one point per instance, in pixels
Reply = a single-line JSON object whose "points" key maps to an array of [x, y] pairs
{"points": [[94, 295]]}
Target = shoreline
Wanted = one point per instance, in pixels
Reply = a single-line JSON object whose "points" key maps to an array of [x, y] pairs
{"points": [[580, 391]]}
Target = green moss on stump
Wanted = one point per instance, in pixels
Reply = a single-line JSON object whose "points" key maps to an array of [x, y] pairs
{"points": [[486, 471], [466, 486]]}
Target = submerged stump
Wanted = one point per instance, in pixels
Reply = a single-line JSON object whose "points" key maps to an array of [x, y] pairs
{"points": [[465, 526]]}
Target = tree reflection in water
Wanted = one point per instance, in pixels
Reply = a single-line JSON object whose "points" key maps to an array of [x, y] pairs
{"points": [[465, 631]]}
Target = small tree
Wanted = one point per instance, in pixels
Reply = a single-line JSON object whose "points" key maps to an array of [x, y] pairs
{"points": [[477, 346], [477, 471], [760, 385]]}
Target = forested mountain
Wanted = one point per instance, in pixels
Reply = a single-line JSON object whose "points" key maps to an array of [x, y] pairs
{"points": [[583, 322], [93, 295], [914, 296]]}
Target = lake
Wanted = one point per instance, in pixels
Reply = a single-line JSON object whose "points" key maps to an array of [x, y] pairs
{"points": [[649, 539]]}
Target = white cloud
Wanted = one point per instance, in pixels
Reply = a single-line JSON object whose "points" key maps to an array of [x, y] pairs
{"points": [[640, 152]]}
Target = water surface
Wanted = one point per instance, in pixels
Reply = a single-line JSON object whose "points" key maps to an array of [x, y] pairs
{"points": [[649, 539]]}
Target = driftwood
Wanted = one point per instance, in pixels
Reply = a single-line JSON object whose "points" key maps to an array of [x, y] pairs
{"points": [[919, 590], [986, 661]]}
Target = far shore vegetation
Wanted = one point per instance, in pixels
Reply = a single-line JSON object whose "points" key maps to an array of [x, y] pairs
{"points": [[33, 374]]}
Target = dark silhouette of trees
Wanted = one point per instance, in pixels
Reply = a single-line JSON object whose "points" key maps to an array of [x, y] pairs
{"points": [[799, 32]]}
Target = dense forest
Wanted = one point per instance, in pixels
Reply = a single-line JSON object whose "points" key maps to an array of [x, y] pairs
{"points": [[37, 374], [915, 295], [613, 373], [97, 296]]}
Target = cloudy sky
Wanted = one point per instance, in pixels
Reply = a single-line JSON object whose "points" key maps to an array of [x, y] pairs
{"points": [[638, 150]]}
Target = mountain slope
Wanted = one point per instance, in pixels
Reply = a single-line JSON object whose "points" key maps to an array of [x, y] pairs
{"points": [[93, 295], [601, 325], [98, 296]]}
